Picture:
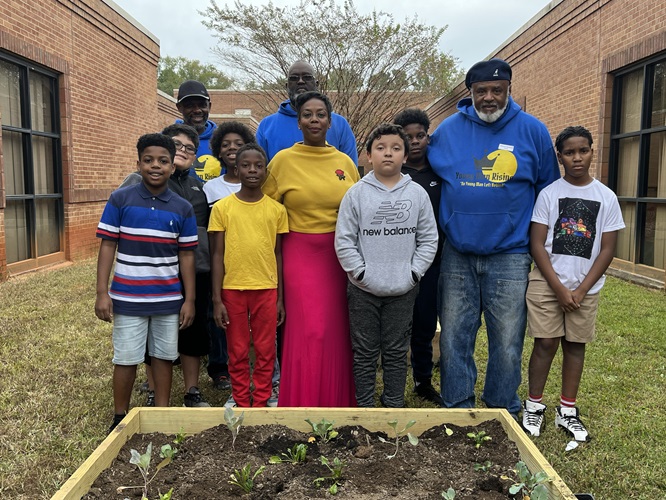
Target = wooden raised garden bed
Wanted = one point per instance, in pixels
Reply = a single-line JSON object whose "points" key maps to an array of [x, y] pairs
{"points": [[193, 421]]}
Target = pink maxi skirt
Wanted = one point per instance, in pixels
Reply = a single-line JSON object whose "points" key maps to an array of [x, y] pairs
{"points": [[316, 349]]}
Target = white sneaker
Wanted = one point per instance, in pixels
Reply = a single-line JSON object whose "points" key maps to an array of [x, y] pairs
{"points": [[568, 419], [275, 393], [533, 417], [231, 402]]}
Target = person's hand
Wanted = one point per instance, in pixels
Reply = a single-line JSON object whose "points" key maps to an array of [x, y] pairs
{"points": [[280, 312], [186, 315], [104, 307], [220, 315], [567, 300]]}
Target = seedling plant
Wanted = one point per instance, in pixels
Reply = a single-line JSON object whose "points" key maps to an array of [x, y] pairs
{"points": [[324, 429], [233, 423], [244, 478], [479, 438], [449, 494], [532, 486], [295, 454], [142, 461], [335, 476], [484, 467], [413, 440]]}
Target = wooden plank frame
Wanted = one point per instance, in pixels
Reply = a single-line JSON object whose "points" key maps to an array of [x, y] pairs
{"points": [[193, 421]]}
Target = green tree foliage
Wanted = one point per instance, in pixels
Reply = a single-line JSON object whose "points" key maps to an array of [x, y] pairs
{"points": [[172, 71], [370, 66]]}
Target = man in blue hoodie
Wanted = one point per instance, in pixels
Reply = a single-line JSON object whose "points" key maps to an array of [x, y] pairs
{"points": [[493, 159], [280, 130], [194, 104]]}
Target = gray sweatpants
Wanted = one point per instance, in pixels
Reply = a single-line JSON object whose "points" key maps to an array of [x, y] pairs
{"points": [[380, 325]]}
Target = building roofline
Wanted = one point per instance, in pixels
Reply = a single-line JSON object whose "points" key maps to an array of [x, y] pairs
{"points": [[131, 20]]}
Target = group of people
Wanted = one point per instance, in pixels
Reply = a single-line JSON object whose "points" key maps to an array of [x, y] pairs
{"points": [[358, 270]]}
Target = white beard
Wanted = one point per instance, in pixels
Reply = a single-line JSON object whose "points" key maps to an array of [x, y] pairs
{"points": [[491, 117]]}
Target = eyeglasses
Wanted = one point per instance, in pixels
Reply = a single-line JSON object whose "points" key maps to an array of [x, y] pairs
{"points": [[296, 78], [190, 150]]}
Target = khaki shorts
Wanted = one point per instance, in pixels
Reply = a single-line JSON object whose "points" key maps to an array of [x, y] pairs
{"points": [[546, 319]]}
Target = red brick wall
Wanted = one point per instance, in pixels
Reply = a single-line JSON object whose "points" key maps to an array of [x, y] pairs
{"points": [[166, 110], [108, 75]]}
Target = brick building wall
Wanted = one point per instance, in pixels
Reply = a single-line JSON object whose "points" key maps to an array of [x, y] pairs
{"points": [[562, 60], [107, 67]]}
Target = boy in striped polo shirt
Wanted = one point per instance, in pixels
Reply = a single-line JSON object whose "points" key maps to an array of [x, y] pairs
{"points": [[155, 233]]}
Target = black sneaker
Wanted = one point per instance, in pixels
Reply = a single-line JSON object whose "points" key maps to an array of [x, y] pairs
{"points": [[222, 383], [150, 399], [194, 399], [427, 391], [116, 420]]}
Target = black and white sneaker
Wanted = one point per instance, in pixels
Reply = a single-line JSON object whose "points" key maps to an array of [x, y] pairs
{"points": [[533, 417], [194, 399], [568, 419], [150, 399]]}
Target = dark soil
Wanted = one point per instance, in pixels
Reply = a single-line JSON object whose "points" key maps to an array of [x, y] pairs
{"points": [[204, 462]]}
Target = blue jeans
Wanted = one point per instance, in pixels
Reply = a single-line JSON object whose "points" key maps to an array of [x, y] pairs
{"points": [[495, 285]]}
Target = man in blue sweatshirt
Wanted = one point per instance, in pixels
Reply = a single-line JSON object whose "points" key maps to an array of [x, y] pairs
{"points": [[280, 130], [194, 104], [493, 159]]}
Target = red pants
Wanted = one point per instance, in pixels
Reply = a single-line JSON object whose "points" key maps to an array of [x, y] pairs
{"points": [[252, 318]]}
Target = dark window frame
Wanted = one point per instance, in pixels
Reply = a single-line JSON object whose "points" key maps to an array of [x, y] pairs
{"points": [[30, 197], [644, 135]]}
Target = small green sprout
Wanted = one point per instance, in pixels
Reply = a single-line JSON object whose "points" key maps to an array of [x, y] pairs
{"points": [[323, 429], [233, 423], [244, 478], [448, 431], [484, 467], [479, 438], [180, 437], [295, 454], [449, 494], [413, 440], [167, 495], [531, 485], [335, 469]]}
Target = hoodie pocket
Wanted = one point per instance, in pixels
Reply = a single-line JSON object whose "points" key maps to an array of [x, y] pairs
{"points": [[386, 280]]}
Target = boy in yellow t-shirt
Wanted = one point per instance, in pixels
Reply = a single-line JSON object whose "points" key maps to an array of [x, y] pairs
{"points": [[247, 267]]}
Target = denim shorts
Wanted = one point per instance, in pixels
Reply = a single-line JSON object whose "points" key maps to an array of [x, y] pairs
{"points": [[131, 335]]}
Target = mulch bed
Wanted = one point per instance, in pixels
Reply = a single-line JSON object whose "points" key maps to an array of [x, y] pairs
{"points": [[204, 462]]}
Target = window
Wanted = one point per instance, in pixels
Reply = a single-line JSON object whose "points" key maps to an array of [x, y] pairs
{"points": [[32, 171], [638, 161]]}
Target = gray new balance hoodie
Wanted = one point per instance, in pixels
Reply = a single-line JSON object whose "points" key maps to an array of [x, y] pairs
{"points": [[385, 238]]}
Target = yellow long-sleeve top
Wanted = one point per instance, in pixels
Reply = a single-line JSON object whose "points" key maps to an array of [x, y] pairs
{"points": [[310, 182]]}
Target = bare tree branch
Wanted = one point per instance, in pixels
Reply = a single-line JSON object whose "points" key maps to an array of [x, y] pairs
{"points": [[370, 66]]}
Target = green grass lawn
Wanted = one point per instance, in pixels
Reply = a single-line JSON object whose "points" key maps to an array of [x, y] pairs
{"points": [[56, 405]]}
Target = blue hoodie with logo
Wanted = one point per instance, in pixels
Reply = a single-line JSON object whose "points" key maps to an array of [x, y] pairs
{"points": [[491, 174], [280, 131]]}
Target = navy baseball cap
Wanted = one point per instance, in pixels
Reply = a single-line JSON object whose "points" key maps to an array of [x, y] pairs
{"points": [[488, 71], [192, 88]]}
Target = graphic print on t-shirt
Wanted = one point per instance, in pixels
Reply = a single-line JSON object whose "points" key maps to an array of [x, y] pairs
{"points": [[576, 227]]}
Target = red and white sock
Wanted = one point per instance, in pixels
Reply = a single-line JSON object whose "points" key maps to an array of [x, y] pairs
{"points": [[536, 399], [567, 402]]}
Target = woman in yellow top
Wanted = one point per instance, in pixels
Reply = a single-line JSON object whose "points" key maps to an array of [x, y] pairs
{"points": [[310, 179]]}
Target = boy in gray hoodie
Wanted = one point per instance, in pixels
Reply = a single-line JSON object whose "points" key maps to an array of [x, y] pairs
{"points": [[385, 239]]}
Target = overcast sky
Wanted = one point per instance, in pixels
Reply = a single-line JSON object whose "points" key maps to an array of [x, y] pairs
{"points": [[475, 27]]}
